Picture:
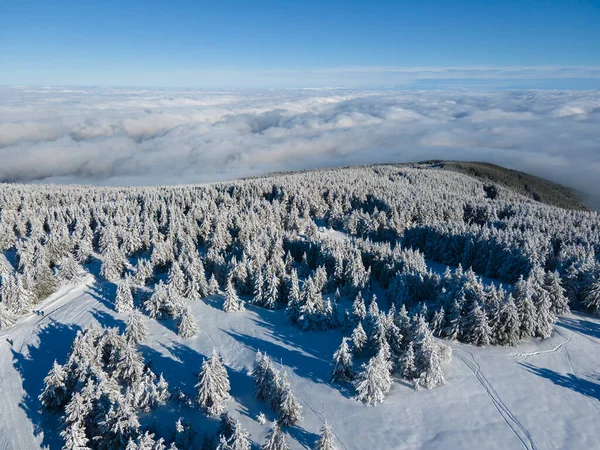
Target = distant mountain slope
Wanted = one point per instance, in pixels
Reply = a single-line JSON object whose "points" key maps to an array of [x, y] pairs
{"points": [[536, 188]]}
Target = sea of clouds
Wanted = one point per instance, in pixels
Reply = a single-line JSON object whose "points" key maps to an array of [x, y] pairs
{"points": [[107, 136]]}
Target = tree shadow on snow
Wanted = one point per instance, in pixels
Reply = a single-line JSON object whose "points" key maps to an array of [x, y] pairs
{"points": [[181, 365], [107, 320], [305, 438], [104, 293], [570, 381], [54, 343], [303, 365], [581, 325]]}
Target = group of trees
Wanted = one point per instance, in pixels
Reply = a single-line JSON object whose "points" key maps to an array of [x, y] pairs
{"points": [[273, 387], [256, 241], [100, 389], [395, 342]]}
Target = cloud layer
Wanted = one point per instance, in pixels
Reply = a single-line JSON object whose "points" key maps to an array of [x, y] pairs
{"points": [[117, 136]]}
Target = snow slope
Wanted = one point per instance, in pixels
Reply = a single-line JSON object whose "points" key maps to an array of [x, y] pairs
{"points": [[541, 395]]}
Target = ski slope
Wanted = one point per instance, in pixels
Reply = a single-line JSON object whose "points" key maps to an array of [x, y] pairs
{"points": [[540, 395]]}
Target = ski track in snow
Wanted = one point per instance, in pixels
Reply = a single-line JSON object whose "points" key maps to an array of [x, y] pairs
{"points": [[540, 352], [515, 425]]}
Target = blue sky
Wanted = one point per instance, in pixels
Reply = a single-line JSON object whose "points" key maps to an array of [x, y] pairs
{"points": [[300, 43]]}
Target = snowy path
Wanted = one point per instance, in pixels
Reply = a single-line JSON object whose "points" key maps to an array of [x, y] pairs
{"points": [[549, 400], [515, 425]]}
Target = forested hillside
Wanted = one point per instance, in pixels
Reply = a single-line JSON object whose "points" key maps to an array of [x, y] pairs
{"points": [[394, 265]]}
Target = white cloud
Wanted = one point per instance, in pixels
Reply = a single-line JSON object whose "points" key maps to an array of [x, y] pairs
{"points": [[118, 136]]}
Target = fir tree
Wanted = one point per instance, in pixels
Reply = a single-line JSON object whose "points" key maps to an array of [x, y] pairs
{"points": [[509, 324], [258, 296], [374, 380], [232, 302], [556, 293], [407, 363], [213, 385], [326, 439], [359, 339], [187, 326], [290, 410], [342, 363], [7, 318], [55, 393], [136, 329], [213, 285], [124, 297], [275, 439], [240, 440]]}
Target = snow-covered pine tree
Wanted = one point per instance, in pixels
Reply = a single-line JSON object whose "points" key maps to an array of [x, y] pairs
{"points": [[74, 437], [55, 393], [359, 339], [290, 410], [136, 329], [275, 439], [232, 302], [342, 363], [294, 304], [176, 279], [271, 294], [557, 294], [124, 297], [240, 440], [477, 329], [429, 357], [527, 316], [7, 318], [544, 324], [359, 310], [326, 439], [374, 380], [407, 363], [257, 291], [591, 293], [509, 324], [213, 285], [187, 326], [213, 385]]}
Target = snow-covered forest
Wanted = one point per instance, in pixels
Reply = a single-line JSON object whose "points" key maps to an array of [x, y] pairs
{"points": [[374, 280]]}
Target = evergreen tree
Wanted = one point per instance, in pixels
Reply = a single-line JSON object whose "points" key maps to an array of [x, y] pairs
{"points": [[258, 296], [55, 393], [290, 410], [124, 297], [213, 285], [556, 293], [213, 385], [342, 363], [407, 363], [294, 304], [136, 329], [7, 318], [275, 439], [374, 380], [591, 295], [240, 440], [327, 439], [509, 324], [527, 313], [359, 310], [478, 331], [544, 324], [187, 326], [74, 437], [232, 301], [359, 339]]}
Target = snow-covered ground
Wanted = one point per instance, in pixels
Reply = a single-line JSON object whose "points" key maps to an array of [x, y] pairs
{"points": [[540, 395]]}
